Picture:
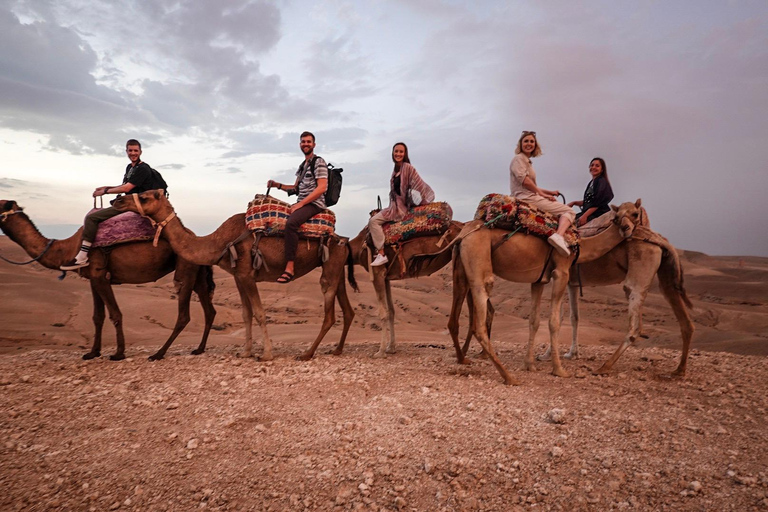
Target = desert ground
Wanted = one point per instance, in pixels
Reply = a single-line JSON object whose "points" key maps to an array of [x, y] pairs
{"points": [[414, 431]]}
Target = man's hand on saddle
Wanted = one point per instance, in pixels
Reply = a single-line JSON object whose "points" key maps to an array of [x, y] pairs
{"points": [[100, 191]]}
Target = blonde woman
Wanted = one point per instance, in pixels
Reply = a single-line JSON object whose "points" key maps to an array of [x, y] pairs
{"points": [[522, 182]]}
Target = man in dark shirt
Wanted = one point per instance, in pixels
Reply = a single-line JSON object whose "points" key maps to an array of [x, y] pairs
{"points": [[139, 177]]}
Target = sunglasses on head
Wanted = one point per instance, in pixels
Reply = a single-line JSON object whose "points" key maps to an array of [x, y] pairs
{"points": [[525, 132]]}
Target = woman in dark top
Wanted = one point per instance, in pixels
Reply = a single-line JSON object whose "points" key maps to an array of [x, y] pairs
{"points": [[597, 196]]}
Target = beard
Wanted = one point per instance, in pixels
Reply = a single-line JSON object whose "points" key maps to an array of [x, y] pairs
{"points": [[307, 150]]}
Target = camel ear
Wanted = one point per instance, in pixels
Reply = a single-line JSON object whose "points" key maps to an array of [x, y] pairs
{"points": [[9, 205], [156, 194], [615, 208], [638, 202]]}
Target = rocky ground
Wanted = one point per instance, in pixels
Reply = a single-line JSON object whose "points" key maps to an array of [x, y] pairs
{"points": [[414, 431]]}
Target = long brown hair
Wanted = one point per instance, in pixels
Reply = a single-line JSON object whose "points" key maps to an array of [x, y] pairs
{"points": [[604, 174]]}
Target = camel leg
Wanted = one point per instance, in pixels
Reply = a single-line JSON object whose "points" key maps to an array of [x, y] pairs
{"points": [[348, 315], [204, 289], [470, 332], [257, 311], [115, 315], [460, 286], [380, 285], [98, 323], [573, 301], [559, 284], [391, 316], [533, 323], [246, 309], [636, 288], [675, 300], [182, 317], [329, 286], [480, 288]]}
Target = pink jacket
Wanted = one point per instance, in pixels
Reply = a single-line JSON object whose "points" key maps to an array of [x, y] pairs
{"points": [[399, 204]]}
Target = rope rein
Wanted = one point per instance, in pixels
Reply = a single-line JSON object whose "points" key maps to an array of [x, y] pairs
{"points": [[3, 217]]}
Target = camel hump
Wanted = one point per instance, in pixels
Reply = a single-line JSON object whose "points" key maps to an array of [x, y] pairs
{"points": [[427, 220], [268, 215], [123, 228], [509, 213]]}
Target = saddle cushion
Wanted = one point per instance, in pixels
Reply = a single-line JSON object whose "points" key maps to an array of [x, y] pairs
{"points": [[268, 215], [506, 212], [428, 220], [126, 227]]}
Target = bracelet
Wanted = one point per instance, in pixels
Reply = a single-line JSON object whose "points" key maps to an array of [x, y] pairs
{"points": [[279, 186]]}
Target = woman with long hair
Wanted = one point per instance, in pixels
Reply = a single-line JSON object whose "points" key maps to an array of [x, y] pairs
{"points": [[597, 195], [406, 190]]}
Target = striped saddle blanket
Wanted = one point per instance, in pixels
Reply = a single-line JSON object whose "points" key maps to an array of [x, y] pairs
{"points": [[268, 215], [123, 228], [506, 212], [430, 219]]}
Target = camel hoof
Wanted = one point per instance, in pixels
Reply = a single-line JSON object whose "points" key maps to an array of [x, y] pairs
{"points": [[571, 355], [561, 373], [602, 371], [156, 357], [509, 381], [335, 352], [265, 357], [529, 367], [379, 355], [391, 350], [91, 355], [306, 356], [543, 357], [198, 351], [465, 361], [117, 357]]}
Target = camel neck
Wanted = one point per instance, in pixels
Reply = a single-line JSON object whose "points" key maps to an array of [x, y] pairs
{"points": [[23, 232]]}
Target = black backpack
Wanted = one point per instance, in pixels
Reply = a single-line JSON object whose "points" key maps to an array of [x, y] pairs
{"points": [[333, 192]]}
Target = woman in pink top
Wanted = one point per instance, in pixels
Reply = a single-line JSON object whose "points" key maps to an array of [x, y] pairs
{"points": [[522, 182], [406, 190]]}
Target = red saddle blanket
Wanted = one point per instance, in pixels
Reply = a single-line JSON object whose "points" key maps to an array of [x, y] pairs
{"points": [[430, 219], [123, 228], [268, 215], [506, 212]]}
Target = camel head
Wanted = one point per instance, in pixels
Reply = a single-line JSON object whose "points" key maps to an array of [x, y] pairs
{"points": [[151, 203], [8, 208], [628, 216]]}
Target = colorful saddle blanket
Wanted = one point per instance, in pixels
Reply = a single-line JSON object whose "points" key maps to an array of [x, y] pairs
{"points": [[430, 219], [268, 215], [123, 228], [506, 212]]}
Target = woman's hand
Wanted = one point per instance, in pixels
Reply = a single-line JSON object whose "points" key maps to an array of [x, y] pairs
{"points": [[582, 220]]}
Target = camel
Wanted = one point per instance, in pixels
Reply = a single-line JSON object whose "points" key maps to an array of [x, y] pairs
{"points": [[634, 263], [233, 237], [399, 259], [481, 252], [129, 263]]}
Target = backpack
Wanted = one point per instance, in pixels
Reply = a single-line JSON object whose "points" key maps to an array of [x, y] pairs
{"points": [[333, 192]]}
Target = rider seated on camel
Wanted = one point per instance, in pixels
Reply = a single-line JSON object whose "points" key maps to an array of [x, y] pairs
{"points": [[402, 185], [597, 196], [139, 177], [311, 184]]}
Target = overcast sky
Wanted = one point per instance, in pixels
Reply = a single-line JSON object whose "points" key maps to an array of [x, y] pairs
{"points": [[673, 94]]}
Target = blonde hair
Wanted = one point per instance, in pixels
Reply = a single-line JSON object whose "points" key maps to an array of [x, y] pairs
{"points": [[519, 149]]}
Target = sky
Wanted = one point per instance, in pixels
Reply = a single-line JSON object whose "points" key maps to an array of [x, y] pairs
{"points": [[672, 94]]}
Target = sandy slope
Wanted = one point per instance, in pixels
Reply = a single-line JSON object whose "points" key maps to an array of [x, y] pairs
{"points": [[412, 432]]}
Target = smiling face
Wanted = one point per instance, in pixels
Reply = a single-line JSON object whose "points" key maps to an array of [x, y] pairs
{"points": [[528, 145], [398, 153], [134, 153], [595, 168], [307, 144]]}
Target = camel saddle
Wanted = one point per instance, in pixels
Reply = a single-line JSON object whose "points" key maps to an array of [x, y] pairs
{"points": [[506, 212], [268, 216], [123, 228], [427, 220]]}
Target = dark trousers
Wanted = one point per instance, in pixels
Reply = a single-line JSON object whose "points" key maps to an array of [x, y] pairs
{"points": [[295, 220], [92, 221]]}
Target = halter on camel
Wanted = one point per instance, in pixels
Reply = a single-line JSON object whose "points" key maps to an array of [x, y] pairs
{"points": [[158, 225], [3, 217]]}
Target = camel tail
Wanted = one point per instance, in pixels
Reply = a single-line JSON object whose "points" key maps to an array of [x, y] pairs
{"points": [[351, 269], [671, 275], [206, 272]]}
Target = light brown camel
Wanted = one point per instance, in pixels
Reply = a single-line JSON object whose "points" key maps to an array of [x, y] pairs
{"points": [[482, 252], [397, 269], [129, 263], [634, 263], [232, 235]]}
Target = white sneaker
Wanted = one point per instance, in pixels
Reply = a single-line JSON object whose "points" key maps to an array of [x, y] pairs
{"points": [[558, 242], [74, 264], [380, 259]]}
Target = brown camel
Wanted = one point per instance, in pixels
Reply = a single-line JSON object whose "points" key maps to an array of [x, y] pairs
{"points": [[399, 258], [634, 263], [482, 252], [232, 235], [129, 263]]}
